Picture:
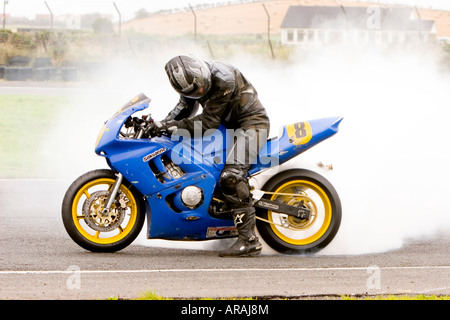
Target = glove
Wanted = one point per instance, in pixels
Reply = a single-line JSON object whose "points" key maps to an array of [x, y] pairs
{"points": [[158, 129], [170, 128]]}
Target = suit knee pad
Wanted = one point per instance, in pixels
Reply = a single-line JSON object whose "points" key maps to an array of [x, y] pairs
{"points": [[235, 186]]}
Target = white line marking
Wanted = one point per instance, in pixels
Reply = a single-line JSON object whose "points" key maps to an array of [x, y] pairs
{"points": [[214, 270], [433, 290]]}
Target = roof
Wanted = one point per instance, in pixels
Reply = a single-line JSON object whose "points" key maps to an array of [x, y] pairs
{"points": [[315, 17]]}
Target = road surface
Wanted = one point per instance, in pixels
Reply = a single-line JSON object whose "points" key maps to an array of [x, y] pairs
{"points": [[38, 260]]}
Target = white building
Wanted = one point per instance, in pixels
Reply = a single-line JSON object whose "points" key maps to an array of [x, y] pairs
{"points": [[355, 25]]}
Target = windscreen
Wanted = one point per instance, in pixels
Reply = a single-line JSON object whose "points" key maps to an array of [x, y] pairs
{"points": [[136, 100]]}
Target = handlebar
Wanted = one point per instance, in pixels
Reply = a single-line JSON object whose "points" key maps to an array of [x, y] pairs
{"points": [[139, 125], [146, 127]]}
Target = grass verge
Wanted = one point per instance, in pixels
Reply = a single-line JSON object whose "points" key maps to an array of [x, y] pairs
{"points": [[151, 295], [398, 297], [24, 120]]}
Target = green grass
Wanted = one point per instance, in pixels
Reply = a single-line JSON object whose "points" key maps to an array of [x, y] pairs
{"points": [[152, 295], [24, 121], [398, 297]]}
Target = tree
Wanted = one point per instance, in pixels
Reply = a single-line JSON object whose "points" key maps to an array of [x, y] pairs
{"points": [[141, 14], [87, 20], [103, 25]]}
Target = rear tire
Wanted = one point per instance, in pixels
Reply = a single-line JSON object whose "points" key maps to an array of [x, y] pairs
{"points": [[83, 222], [302, 236]]}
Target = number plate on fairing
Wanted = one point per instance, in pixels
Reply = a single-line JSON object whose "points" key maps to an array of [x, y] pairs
{"points": [[221, 232], [299, 133]]}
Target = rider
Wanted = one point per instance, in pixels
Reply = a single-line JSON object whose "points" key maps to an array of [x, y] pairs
{"points": [[227, 98]]}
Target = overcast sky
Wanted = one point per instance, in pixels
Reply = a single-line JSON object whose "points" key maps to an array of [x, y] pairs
{"points": [[128, 8]]}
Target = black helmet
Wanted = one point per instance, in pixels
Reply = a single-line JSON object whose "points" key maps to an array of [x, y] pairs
{"points": [[189, 76]]}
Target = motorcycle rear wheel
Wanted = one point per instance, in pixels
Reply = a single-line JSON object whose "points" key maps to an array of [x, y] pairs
{"points": [[290, 235], [88, 227]]}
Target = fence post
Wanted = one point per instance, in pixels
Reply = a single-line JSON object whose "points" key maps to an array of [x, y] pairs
{"points": [[268, 31], [4, 13], [51, 15], [120, 20], [195, 22]]}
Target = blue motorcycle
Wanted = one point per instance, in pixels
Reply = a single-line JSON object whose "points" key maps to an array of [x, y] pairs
{"points": [[173, 181]]}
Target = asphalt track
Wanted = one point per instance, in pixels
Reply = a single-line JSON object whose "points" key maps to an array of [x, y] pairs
{"points": [[39, 261]]}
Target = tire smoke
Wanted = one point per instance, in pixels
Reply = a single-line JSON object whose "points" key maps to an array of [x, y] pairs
{"points": [[389, 158]]}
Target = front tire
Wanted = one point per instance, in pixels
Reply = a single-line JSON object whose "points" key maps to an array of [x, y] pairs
{"points": [[287, 234], [82, 218]]}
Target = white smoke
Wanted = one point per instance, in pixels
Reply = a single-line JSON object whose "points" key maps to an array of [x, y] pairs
{"points": [[390, 157]]}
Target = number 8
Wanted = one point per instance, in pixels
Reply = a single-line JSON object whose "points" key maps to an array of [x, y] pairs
{"points": [[300, 131]]}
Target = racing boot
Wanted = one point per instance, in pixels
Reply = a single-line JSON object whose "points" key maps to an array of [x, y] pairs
{"points": [[247, 243]]}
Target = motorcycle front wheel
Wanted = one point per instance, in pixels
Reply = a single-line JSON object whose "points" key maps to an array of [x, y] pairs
{"points": [[93, 229], [291, 235]]}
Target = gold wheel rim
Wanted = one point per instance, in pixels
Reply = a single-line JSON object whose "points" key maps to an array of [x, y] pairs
{"points": [[302, 232], [105, 237]]}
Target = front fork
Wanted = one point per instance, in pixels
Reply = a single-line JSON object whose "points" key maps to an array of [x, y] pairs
{"points": [[112, 195], [116, 186]]}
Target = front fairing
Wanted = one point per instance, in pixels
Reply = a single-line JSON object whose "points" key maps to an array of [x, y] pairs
{"points": [[142, 161], [111, 129]]}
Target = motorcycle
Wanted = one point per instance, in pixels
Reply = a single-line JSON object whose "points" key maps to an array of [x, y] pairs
{"points": [[173, 182]]}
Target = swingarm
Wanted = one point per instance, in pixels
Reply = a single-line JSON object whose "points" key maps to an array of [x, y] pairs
{"points": [[300, 212]]}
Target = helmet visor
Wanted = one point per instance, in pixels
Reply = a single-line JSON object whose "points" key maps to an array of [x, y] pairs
{"points": [[196, 92]]}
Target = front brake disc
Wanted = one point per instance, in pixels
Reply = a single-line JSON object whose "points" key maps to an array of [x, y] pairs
{"points": [[96, 219]]}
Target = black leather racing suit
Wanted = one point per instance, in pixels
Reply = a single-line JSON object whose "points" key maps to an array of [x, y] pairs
{"points": [[233, 102]]}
